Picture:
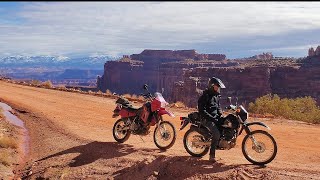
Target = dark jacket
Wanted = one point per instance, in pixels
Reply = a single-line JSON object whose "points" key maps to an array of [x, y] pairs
{"points": [[209, 105]]}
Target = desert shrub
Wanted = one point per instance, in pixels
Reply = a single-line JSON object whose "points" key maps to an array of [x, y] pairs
{"points": [[301, 109], [35, 82], [7, 142], [108, 92], [61, 87], [47, 84]]}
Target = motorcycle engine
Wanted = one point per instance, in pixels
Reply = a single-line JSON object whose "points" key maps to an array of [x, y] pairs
{"points": [[228, 138], [137, 127]]}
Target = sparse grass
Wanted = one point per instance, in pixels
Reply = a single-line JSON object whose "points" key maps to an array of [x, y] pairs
{"points": [[301, 109], [7, 142], [61, 87], [35, 82], [47, 84]]}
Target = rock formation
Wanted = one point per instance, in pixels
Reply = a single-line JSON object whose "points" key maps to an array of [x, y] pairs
{"points": [[263, 56], [313, 52], [183, 75]]}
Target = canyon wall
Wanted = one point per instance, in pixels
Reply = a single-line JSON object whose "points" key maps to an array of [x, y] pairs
{"points": [[182, 78]]}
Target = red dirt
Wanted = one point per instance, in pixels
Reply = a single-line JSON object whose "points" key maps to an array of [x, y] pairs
{"points": [[71, 137]]}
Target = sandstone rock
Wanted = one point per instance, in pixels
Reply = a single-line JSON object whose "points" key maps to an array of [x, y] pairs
{"points": [[184, 80]]}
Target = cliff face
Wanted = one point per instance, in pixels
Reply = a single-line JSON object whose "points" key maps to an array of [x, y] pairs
{"points": [[244, 83], [184, 79]]}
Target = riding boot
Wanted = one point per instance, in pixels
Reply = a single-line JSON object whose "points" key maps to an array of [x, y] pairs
{"points": [[212, 156]]}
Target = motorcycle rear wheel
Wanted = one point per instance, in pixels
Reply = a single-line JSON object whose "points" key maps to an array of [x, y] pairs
{"points": [[265, 146], [190, 136], [118, 134], [168, 136]]}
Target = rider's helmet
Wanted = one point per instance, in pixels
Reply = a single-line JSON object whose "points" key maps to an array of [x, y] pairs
{"points": [[215, 81]]}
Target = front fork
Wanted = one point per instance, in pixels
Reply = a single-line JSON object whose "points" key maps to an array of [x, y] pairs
{"points": [[248, 131], [162, 128]]}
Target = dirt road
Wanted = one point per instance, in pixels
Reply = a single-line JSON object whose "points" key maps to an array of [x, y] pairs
{"points": [[71, 138]]}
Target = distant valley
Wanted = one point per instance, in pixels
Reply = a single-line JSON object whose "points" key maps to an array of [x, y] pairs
{"points": [[60, 70]]}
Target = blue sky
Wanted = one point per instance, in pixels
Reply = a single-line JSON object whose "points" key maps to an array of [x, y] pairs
{"points": [[237, 29]]}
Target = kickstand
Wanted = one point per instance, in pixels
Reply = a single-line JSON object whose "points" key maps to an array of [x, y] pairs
{"points": [[141, 138]]}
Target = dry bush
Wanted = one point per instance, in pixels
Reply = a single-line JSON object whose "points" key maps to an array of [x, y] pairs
{"points": [[7, 142], [35, 82], [47, 84], [61, 87], [108, 92], [301, 109]]}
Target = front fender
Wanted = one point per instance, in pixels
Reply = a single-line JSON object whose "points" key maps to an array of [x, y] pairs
{"points": [[258, 123], [163, 111], [252, 123]]}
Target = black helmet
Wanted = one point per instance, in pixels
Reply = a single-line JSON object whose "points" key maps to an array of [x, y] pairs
{"points": [[217, 81]]}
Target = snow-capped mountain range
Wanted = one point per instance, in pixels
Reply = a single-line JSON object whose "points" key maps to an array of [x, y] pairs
{"points": [[93, 61]]}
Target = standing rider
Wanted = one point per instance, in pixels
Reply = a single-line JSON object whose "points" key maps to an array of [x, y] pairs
{"points": [[209, 108]]}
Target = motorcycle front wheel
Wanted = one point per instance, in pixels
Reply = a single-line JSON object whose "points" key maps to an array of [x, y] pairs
{"points": [[259, 147], [164, 135], [191, 139], [118, 133]]}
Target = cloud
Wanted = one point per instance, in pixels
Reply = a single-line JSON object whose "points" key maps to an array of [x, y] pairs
{"points": [[130, 27]]}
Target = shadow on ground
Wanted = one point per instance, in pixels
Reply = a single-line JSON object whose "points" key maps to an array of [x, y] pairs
{"points": [[177, 167], [96, 150]]}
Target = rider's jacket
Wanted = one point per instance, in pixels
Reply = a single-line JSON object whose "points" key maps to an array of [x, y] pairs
{"points": [[209, 105]]}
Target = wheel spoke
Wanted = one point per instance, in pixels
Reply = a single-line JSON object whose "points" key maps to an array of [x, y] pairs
{"points": [[164, 135], [259, 147], [194, 136]]}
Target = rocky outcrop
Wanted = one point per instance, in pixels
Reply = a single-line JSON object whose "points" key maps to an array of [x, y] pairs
{"points": [[184, 79], [178, 55], [313, 52], [263, 56]]}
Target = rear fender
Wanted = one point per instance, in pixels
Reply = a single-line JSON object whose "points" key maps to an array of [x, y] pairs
{"points": [[184, 122]]}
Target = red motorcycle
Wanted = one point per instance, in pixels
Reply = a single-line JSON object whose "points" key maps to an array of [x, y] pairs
{"points": [[139, 120]]}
